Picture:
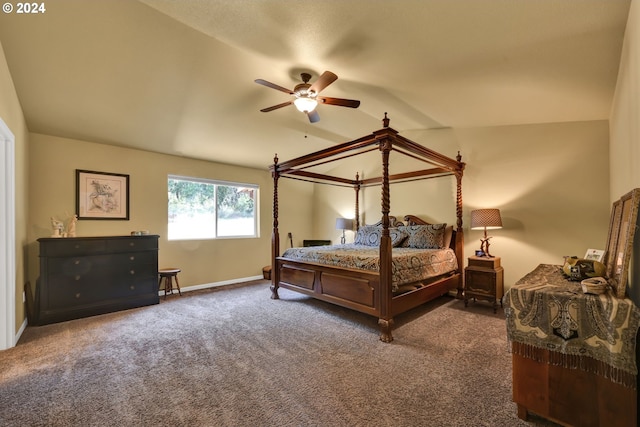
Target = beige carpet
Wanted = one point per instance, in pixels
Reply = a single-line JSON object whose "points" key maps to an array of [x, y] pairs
{"points": [[234, 357]]}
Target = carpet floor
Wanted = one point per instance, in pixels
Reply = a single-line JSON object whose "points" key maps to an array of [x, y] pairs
{"points": [[234, 357]]}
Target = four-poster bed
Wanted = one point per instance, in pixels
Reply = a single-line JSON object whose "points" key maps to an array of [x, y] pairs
{"points": [[375, 291]]}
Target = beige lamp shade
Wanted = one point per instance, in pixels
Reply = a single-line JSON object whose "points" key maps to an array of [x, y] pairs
{"points": [[344, 224], [486, 219]]}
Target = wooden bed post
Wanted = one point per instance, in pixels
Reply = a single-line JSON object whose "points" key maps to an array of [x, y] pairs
{"points": [[459, 233], [356, 187], [385, 321], [275, 236]]}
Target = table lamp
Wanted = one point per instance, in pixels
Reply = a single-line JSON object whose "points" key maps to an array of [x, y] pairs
{"points": [[344, 224], [487, 219]]}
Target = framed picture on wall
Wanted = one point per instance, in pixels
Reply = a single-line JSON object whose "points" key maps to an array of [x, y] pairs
{"points": [[102, 195]]}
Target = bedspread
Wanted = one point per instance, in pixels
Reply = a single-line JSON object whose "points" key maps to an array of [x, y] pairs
{"points": [[408, 265]]}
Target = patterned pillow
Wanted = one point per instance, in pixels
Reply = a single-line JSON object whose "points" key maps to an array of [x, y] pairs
{"points": [[425, 236], [370, 235], [398, 236]]}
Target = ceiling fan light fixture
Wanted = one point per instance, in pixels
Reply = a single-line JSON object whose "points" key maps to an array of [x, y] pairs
{"points": [[305, 104]]}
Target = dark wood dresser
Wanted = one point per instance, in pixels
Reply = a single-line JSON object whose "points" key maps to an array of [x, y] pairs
{"points": [[85, 276]]}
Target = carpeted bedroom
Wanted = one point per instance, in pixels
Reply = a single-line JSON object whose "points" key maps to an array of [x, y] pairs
{"points": [[232, 356]]}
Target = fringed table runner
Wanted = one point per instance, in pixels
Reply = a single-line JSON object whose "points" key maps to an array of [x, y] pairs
{"points": [[550, 320]]}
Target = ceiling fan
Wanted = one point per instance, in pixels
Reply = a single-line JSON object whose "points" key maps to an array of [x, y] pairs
{"points": [[306, 95]]}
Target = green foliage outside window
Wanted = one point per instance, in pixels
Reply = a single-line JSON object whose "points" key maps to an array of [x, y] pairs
{"points": [[209, 209]]}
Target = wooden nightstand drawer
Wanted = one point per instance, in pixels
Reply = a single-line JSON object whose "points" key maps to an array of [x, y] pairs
{"points": [[481, 281], [484, 279], [484, 262]]}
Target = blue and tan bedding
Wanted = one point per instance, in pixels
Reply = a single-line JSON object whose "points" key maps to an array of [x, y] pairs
{"points": [[408, 265]]}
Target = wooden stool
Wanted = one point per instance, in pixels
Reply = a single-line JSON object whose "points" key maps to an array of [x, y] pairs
{"points": [[169, 274]]}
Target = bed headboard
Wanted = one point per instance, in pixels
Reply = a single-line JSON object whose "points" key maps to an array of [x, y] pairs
{"points": [[393, 222]]}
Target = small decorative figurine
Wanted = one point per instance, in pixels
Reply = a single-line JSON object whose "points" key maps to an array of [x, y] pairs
{"points": [[57, 227], [71, 226]]}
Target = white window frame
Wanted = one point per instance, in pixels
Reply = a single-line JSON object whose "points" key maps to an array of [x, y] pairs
{"points": [[217, 182]]}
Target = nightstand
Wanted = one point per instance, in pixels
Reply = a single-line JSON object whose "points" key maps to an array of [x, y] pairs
{"points": [[484, 279]]}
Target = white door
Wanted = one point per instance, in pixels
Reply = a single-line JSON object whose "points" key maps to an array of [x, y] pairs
{"points": [[7, 238]]}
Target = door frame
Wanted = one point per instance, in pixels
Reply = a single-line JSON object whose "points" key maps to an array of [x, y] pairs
{"points": [[7, 239]]}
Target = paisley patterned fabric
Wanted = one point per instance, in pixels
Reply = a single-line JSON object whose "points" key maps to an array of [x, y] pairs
{"points": [[408, 264], [424, 236], [370, 235], [596, 333]]}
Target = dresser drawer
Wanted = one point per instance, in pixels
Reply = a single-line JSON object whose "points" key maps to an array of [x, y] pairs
{"points": [[74, 265], [66, 247], [64, 292], [140, 286], [137, 258], [134, 243]]}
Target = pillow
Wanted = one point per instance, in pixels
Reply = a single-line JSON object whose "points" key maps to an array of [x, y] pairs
{"points": [[398, 236], [425, 236], [370, 235], [448, 235]]}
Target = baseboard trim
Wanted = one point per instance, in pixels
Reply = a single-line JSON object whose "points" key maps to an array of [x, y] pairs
{"points": [[214, 284], [20, 331]]}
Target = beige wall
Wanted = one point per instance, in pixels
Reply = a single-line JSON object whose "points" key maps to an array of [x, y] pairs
{"points": [[11, 114], [53, 163], [625, 130], [550, 182]]}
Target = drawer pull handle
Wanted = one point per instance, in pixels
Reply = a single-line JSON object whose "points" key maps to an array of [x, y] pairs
{"points": [[78, 295], [132, 272], [77, 277], [132, 287], [132, 258], [76, 262], [132, 244], [77, 246]]}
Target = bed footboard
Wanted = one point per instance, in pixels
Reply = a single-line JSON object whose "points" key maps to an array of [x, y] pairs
{"points": [[357, 290], [354, 289]]}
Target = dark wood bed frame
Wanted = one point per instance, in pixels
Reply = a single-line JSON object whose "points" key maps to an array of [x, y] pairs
{"points": [[365, 291]]}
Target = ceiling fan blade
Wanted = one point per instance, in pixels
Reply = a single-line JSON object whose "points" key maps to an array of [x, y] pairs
{"points": [[339, 101], [273, 86], [313, 116], [275, 107], [323, 81]]}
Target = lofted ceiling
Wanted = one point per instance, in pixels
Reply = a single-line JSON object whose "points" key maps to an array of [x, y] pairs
{"points": [[177, 77]]}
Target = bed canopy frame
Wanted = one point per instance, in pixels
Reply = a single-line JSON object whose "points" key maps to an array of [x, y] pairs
{"points": [[385, 140]]}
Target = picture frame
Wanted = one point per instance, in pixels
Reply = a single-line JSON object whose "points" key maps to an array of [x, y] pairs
{"points": [[622, 228], [102, 195], [594, 254]]}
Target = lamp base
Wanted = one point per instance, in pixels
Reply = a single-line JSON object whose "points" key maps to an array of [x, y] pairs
{"points": [[482, 254]]}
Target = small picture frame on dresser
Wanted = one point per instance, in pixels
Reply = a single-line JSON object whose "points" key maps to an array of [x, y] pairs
{"points": [[102, 195], [594, 255]]}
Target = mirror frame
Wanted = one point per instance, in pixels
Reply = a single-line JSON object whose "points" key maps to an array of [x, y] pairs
{"points": [[622, 229]]}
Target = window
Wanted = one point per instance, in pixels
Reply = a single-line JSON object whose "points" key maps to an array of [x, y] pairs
{"points": [[207, 209]]}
